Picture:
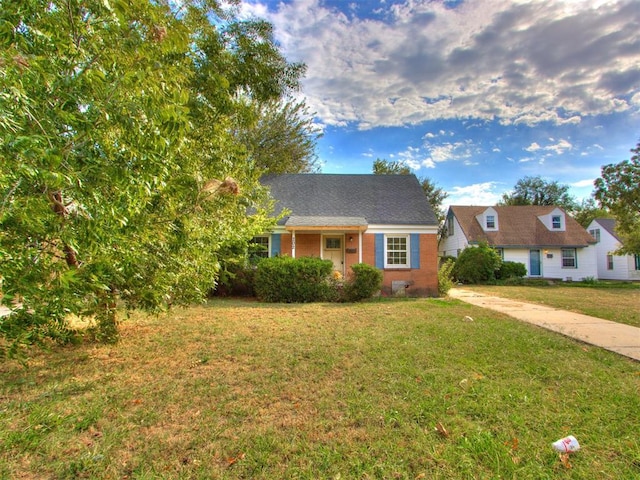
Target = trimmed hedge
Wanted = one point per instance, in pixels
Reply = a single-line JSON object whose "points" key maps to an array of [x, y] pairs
{"points": [[294, 280], [511, 270], [365, 282], [477, 264]]}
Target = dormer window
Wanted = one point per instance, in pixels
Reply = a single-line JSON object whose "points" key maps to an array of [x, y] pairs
{"points": [[489, 220], [556, 222]]}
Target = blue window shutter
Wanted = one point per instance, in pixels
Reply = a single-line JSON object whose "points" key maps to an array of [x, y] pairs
{"points": [[379, 250], [275, 244], [415, 250]]}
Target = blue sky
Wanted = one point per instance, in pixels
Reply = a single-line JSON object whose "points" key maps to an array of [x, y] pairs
{"points": [[474, 94]]}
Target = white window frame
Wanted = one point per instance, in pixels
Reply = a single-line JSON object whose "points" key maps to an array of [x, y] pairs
{"points": [[595, 233], [609, 261], [556, 222], [407, 251], [573, 256], [268, 237], [493, 222]]}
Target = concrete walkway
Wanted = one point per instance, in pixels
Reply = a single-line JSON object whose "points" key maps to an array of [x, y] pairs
{"points": [[617, 337]]}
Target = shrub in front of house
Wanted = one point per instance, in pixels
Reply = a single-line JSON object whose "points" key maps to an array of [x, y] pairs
{"points": [[445, 276], [511, 270], [477, 264], [364, 283], [294, 280]]}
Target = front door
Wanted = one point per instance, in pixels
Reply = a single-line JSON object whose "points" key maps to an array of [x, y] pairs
{"points": [[332, 250], [534, 263]]}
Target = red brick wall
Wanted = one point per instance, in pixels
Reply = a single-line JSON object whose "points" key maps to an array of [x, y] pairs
{"points": [[308, 245], [422, 282]]}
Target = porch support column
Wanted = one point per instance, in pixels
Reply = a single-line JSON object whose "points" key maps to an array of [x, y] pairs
{"points": [[293, 244], [359, 246]]}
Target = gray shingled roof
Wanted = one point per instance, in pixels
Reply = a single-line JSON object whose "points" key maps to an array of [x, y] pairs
{"points": [[609, 224], [519, 226], [378, 199]]}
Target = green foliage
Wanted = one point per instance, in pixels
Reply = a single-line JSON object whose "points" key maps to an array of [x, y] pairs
{"points": [[282, 137], [293, 280], [117, 138], [537, 191], [511, 270], [386, 167], [477, 264], [618, 190], [364, 283], [445, 276], [587, 211]]}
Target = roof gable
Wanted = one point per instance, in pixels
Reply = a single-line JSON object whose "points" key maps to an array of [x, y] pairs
{"points": [[521, 226], [608, 224], [380, 199]]}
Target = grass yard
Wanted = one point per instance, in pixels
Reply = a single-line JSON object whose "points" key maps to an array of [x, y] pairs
{"points": [[619, 303], [388, 390]]}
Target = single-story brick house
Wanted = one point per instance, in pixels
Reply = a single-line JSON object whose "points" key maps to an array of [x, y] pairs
{"points": [[381, 220], [545, 239]]}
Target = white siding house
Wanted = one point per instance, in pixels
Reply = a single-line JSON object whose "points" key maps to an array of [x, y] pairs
{"points": [[610, 265], [550, 243]]}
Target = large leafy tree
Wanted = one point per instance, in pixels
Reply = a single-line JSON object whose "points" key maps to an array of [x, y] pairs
{"points": [[435, 195], [618, 190], [587, 210], [121, 177], [538, 191], [281, 137]]}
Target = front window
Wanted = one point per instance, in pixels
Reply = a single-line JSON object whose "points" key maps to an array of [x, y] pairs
{"points": [[500, 252], [258, 249], [637, 257], [556, 222], [595, 233], [609, 262], [569, 258], [397, 252], [491, 221]]}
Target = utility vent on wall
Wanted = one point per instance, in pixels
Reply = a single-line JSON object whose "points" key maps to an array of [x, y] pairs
{"points": [[398, 287]]}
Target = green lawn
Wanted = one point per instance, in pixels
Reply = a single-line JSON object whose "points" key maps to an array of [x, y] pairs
{"points": [[616, 302], [389, 389]]}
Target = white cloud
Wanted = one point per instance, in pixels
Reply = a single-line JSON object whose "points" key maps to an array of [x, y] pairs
{"points": [[475, 194], [520, 62], [447, 152], [533, 147], [413, 158], [582, 183], [560, 147]]}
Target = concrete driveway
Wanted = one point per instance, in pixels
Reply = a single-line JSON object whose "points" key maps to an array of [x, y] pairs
{"points": [[617, 337]]}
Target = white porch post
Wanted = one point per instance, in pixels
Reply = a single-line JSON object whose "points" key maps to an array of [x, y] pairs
{"points": [[293, 244], [359, 246]]}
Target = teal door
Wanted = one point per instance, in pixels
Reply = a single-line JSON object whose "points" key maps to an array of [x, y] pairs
{"points": [[534, 263]]}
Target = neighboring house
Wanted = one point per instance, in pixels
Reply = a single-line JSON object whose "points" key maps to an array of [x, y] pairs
{"points": [[610, 265], [550, 243], [381, 220]]}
